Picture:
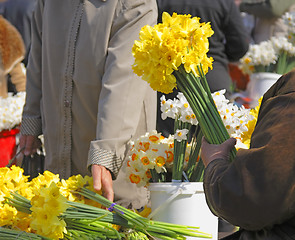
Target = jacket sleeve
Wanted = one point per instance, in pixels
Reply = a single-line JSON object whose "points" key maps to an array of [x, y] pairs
{"points": [[123, 94], [31, 118], [237, 40], [256, 190]]}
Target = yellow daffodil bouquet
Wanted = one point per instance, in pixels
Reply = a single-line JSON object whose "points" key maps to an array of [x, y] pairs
{"points": [[51, 208], [173, 54]]}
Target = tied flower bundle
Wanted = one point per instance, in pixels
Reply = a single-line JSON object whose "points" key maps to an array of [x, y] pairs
{"points": [[152, 155], [174, 54], [11, 110], [50, 208]]}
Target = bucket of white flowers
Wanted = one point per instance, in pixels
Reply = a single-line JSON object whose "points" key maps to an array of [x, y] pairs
{"points": [[11, 109], [265, 63]]}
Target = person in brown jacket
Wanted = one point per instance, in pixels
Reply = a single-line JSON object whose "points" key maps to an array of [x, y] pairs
{"points": [[256, 191], [12, 52]]}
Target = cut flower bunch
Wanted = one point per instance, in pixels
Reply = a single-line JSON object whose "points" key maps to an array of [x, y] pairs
{"points": [[11, 110], [276, 55], [174, 54], [51, 208], [152, 155]]}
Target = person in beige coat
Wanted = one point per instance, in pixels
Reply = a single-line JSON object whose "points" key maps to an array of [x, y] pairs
{"points": [[81, 91], [12, 52]]}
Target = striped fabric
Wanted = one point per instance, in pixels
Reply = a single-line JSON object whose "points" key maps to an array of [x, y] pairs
{"points": [[106, 158], [31, 126]]}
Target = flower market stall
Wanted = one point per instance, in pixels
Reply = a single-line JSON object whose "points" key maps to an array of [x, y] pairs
{"points": [[169, 55]]}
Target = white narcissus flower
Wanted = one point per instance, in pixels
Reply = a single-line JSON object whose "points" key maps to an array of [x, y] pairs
{"points": [[11, 109], [289, 20], [154, 152], [168, 108], [234, 118], [282, 44], [262, 54], [178, 108], [181, 134]]}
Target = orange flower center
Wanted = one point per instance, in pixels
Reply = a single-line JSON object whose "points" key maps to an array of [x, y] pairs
{"points": [[134, 178]]}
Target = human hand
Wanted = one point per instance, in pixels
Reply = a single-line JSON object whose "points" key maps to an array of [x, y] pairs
{"points": [[102, 180], [210, 152], [30, 144]]}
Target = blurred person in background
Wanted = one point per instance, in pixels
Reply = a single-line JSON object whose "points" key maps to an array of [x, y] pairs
{"points": [[267, 17]]}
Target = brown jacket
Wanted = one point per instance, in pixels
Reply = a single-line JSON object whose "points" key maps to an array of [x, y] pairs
{"points": [[81, 91], [12, 52], [257, 190]]}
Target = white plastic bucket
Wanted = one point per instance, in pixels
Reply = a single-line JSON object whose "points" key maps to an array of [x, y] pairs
{"points": [[260, 83], [183, 203]]}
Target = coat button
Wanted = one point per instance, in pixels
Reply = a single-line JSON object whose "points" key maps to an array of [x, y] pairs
{"points": [[67, 103]]}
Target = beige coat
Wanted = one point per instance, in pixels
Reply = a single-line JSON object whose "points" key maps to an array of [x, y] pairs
{"points": [[81, 91], [12, 52]]}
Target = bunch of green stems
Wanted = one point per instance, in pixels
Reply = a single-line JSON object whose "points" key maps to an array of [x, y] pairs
{"points": [[198, 95], [11, 234], [89, 222], [161, 230]]}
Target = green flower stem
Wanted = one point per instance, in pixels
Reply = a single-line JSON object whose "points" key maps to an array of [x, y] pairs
{"points": [[198, 174], [193, 166], [285, 63], [209, 118], [162, 229], [93, 228], [208, 105], [202, 104], [179, 152], [19, 202], [204, 83], [211, 103], [86, 228], [157, 177], [282, 63], [6, 233], [195, 105], [84, 211], [123, 212], [197, 109]]}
